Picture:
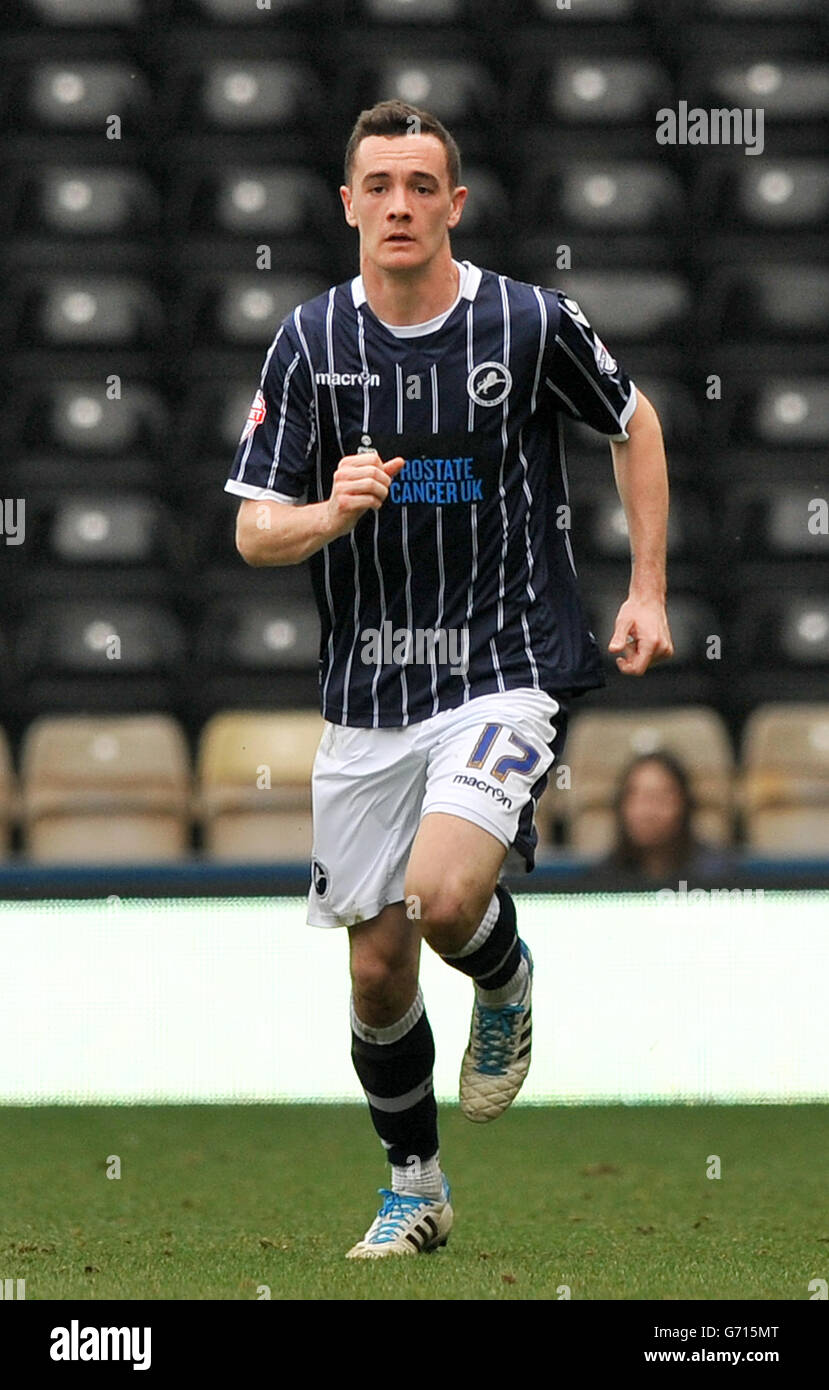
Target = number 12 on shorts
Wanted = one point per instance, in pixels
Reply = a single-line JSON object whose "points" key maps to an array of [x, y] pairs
{"points": [[525, 763]]}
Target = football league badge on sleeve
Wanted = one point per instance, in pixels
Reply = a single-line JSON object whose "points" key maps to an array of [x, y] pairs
{"points": [[256, 414]]}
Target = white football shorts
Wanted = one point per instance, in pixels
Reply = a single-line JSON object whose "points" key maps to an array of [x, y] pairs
{"points": [[485, 761]]}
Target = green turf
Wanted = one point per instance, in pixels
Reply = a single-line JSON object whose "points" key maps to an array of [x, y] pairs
{"points": [[612, 1201]]}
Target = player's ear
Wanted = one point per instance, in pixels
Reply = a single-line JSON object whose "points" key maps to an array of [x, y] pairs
{"points": [[345, 194], [458, 200]]}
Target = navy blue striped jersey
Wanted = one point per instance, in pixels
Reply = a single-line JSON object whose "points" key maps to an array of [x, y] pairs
{"points": [[463, 582]]}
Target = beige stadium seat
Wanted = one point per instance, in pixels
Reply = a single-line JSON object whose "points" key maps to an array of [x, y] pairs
{"points": [[105, 789], [784, 785], [254, 784], [599, 748], [8, 795]]}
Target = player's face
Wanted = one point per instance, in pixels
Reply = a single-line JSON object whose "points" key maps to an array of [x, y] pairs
{"points": [[400, 200], [652, 807]]}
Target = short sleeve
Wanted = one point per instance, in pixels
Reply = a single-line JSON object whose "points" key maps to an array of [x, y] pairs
{"points": [[273, 457], [586, 381]]}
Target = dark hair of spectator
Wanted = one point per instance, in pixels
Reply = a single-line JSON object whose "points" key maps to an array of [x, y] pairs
{"points": [[626, 854]]}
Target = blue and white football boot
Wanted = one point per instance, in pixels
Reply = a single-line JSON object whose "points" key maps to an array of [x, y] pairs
{"points": [[497, 1057], [405, 1225]]}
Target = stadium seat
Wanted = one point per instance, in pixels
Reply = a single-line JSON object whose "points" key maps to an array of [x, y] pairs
{"points": [[602, 196], [80, 200], [247, 309], [588, 10], [114, 529], [785, 300], [629, 305], [792, 413], [82, 12], [784, 781], [784, 195], [601, 524], [774, 519], [283, 202], [255, 93], [87, 311], [599, 748], [79, 95], [598, 89], [100, 654], [242, 12], [254, 784], [8, 795], [214, 415], [86, 416], [786, 89], [105, 789], [278, 630], [421, 12], [260, 651], [458, 92], [763, 9], [780, 642]]}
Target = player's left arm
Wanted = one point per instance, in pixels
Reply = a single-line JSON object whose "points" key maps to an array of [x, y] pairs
{"points": [[641, 634]]}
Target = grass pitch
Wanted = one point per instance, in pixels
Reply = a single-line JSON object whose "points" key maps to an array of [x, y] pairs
{"points": [[613, 1202]]}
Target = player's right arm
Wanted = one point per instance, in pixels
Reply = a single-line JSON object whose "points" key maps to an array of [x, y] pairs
{"points": [[277, 533]]}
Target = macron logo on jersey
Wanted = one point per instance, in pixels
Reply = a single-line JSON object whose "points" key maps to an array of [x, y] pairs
{"points": [[347, 378]]}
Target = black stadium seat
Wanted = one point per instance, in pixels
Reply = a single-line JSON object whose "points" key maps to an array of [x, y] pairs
{"points": [[87, 310], [247, 94], [100, 654], [783, 300], [282, 202], [86, 201], [629, 305], [598, 89], [85, 12], [775, 519], [84, 416], [81, 95], [763, 9], [420, 12]]}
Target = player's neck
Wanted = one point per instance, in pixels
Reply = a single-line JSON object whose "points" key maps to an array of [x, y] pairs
{"points": [[403, 297]]}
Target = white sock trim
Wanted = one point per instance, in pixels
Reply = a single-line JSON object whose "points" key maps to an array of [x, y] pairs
{"points": [[394, 1031], [510, 993], [481, 933]]}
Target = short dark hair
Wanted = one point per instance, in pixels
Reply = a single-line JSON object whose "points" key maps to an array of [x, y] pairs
{"points": [[399, 118]]}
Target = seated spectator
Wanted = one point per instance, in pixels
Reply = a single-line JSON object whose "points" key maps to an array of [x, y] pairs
{"points": [[655, 843]]}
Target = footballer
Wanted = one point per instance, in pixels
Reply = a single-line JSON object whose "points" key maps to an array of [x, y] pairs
{"points": [[406, 440]]}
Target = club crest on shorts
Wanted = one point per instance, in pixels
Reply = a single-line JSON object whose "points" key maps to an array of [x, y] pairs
{"points": [[489, 383], [320, 878], [256, 414]]}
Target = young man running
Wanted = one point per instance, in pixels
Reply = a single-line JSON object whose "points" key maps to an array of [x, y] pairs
{"points": [[406, 439]]}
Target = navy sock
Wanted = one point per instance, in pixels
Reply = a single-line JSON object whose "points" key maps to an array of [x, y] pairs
{"points": [[395, 1066]]}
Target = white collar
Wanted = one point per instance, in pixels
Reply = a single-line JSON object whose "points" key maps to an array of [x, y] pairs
{"points": [[469, 291]]}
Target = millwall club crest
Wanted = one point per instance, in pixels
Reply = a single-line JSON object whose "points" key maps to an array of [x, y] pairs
{"points": [[256, 414], [489, 383]]}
